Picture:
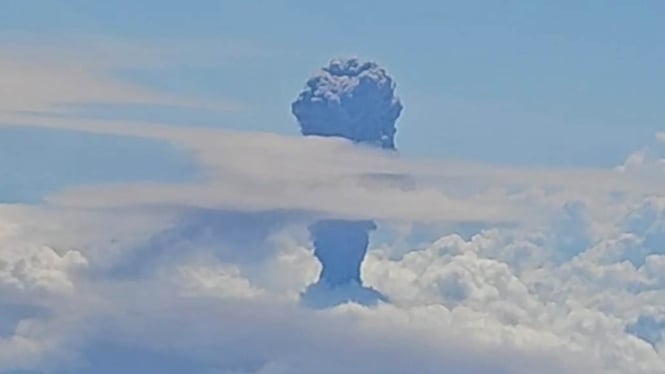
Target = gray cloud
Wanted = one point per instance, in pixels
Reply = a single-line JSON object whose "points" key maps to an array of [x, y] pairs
{"points": [[352, 99]]}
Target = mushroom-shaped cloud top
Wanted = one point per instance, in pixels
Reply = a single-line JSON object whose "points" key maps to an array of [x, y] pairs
{"points": [[351, 99]]}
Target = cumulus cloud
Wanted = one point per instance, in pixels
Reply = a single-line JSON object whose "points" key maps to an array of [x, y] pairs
{"points": [[501, 300], [582, 305], [215, 307], [649, 159], [37, 270]]}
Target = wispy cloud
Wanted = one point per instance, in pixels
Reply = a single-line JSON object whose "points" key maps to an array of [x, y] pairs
{"points": [[50, 79], [258, 171]]}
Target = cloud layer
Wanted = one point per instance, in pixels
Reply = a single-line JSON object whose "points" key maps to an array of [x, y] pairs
{"points": [[578, 290], [557, 271], [501, 301]]}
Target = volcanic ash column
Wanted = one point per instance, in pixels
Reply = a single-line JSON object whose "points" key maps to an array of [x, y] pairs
{"points": [[355, 100]]}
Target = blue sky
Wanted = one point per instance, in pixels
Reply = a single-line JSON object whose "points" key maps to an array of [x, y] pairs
{"points": [[578, 82], [153, 183]]}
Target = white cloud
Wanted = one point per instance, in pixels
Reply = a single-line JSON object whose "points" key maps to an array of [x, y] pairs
{"points": [[214, 307], [648, 160], [222, 281], [256, 171], [32, 269], [497, 302], [582, 305], [503, 301]]}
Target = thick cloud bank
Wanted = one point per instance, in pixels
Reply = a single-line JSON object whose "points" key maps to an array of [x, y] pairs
{"points": [[577, 289]]}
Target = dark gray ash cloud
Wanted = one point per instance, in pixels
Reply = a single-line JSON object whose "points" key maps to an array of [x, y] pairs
{"points": [[352, 99], [355, 100]]}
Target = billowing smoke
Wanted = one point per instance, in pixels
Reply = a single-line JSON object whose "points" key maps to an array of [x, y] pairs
{"points": [[341, 246], [355, 100], [351, 99]]}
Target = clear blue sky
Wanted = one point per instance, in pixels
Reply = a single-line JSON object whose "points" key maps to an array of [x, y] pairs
{"points": [[538, 82]]}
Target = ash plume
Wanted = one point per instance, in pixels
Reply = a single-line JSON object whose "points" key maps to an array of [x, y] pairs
{"points": [[355, 100], [351, 99], [341, 246]]}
